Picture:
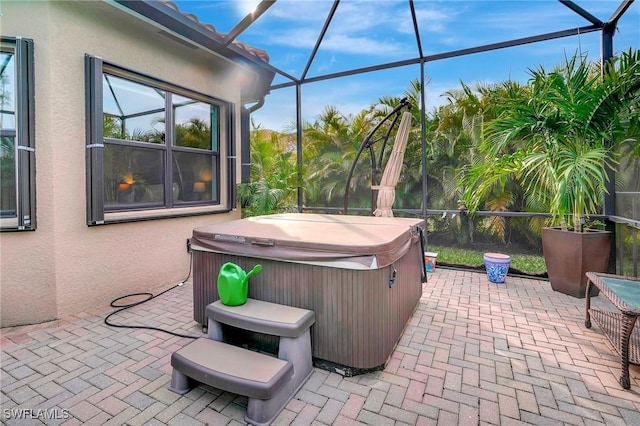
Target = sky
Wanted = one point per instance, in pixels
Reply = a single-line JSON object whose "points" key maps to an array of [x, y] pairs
{"points": [[373, 32]]}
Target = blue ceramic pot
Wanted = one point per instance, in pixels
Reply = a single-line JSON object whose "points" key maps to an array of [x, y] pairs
{"points": [[497, 266]]}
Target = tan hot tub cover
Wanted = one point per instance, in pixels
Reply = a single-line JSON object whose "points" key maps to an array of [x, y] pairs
{"points": [[375, 242]]}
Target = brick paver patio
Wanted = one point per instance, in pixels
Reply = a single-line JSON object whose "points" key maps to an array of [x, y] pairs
{"points": [[473, 353]]}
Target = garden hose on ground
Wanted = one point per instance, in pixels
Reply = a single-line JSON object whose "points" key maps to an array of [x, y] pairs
{"points": [[149, 296]]}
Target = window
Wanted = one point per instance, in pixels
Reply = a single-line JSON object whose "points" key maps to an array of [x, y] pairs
{"points": [[17, 153], [151, 145]]}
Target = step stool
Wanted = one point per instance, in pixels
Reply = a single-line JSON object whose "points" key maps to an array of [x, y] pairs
{"points": [[268, 382], [261, 378], [291, 324]]}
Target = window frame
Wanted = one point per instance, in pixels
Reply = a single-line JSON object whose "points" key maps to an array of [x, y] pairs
{"points": [[98, 213], [24, 135]]}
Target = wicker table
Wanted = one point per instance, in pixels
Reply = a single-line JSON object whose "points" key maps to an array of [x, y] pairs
{"points": [[624, 293]]}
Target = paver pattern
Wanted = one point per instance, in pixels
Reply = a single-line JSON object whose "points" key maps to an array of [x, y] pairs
{"points": [[473, 353]]}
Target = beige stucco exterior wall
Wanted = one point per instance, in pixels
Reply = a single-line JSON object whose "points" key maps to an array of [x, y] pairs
{"points": [[65, 266]]}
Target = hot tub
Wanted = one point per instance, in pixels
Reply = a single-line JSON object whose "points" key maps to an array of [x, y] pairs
{"points": [[362, 276]]}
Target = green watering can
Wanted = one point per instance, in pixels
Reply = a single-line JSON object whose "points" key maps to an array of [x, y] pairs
{"points": [[233, 283]]}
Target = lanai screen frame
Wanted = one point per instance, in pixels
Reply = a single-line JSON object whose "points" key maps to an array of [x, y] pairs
{"points": [[606, 28], [223, 44]]}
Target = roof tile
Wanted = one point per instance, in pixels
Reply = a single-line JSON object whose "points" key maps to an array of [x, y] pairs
{"points": [[258, 53]]}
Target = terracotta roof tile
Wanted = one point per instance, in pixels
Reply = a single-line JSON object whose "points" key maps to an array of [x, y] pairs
{"points": [[258, 53]]}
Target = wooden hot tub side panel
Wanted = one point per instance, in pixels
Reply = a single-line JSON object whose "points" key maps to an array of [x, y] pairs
{"points": [[359, 319]]}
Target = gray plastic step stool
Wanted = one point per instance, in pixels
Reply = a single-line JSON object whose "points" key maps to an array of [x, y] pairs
{"points": [[261, 378], [291, 324], [268, 382]]}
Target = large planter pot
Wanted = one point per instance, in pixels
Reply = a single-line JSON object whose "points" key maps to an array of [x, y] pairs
{"points": [[569, 255]]}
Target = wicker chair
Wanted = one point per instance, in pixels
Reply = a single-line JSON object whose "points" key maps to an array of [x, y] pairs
{"points": [[619, 327]]}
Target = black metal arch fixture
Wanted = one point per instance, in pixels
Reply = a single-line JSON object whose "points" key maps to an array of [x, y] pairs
{"points": [[368, 144]]}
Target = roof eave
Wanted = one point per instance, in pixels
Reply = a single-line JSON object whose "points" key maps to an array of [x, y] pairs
{"points": [[174, 21]]}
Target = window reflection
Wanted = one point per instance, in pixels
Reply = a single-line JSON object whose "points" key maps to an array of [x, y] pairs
{"points": [[7, 84], [7, 177], [194, 174], [132, 110], [193, 123], [137, 175], [133, 175], [7, 138]]}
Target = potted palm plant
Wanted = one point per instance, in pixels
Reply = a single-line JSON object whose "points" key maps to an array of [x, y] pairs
{"points": [[558, 144]]}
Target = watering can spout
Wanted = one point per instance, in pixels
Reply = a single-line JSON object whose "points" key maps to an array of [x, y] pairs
{"points": [[252, 272]]}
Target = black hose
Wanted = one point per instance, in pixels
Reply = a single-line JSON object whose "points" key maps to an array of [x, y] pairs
{"points": [[149, 296], [423, 269]]}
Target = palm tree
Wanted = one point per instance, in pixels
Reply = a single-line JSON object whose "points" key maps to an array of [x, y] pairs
{"points": [[274, 176], [474, 108], [559, 146], [196, 133], [559, 143], [331, 143]]}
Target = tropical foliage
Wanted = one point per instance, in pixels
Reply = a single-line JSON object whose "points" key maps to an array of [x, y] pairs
{"points": [[274, 174], [558, 144], [482, 146]]}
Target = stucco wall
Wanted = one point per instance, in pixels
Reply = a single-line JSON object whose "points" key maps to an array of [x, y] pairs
{"points": [[65, 267]]}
